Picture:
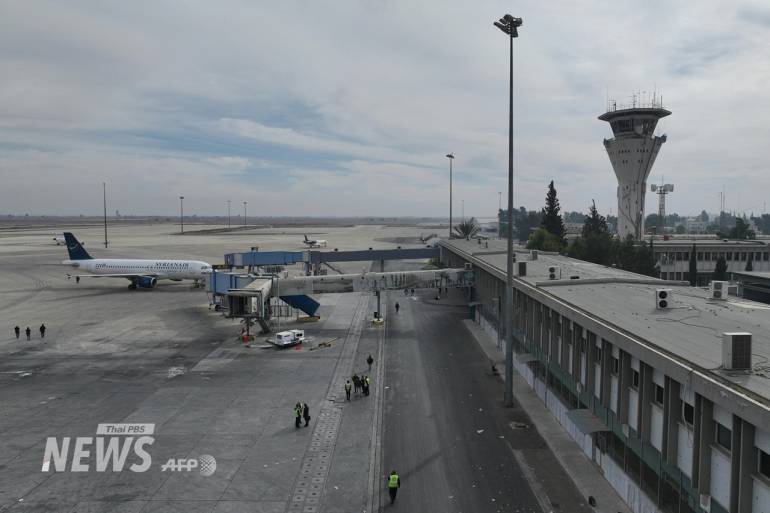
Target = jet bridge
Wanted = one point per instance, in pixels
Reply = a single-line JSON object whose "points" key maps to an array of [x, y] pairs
{"points": [[252, 300]]}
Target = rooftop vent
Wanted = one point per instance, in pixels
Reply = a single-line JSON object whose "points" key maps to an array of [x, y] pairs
{"points": [[718, 290], [736, 351], [663, 299]]}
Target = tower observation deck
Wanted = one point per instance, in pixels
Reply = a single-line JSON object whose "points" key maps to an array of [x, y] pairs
{"points": [[632, 153]]}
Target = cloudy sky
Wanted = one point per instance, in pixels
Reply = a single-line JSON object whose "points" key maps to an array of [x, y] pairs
{"points": [[348, 107]]}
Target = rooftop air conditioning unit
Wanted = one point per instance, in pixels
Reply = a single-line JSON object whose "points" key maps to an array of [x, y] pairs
{"points": [[522, 268], [663, 299], [553, 271], [736, 351], [468, 266], [732, 290], [718, 290]]}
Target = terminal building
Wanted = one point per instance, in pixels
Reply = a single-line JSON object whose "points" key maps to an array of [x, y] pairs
{"points": [[665, 389], [673, 257]]}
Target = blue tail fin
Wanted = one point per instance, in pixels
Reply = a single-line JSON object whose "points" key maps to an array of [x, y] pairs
{"points": [[75, 248]]}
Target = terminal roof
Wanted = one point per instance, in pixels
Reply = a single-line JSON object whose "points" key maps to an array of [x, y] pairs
{"points": [[691, 330]]}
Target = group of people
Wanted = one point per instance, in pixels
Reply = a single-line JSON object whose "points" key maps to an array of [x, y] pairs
{"points": [[28, 332], [301, 411], [360, 384]]}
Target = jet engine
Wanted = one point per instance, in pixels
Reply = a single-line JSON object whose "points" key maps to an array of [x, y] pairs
{"points": [[146, 282]]}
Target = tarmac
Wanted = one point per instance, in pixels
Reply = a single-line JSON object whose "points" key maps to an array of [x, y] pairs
{"points": [[162, 357]]}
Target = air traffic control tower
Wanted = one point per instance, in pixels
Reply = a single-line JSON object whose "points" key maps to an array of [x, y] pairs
{"points": [[632, 153]]}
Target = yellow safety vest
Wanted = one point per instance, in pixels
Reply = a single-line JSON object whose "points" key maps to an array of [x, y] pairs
{"points": [[393, 481]]}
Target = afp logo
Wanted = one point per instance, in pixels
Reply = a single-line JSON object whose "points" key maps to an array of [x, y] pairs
{"points": [[111, 447]]}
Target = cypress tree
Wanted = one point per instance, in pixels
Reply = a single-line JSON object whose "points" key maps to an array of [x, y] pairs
{"points": [[552, 221]]}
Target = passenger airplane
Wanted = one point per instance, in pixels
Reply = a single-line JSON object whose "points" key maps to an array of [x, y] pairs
{"points": [[141, 273], [315, 243]]}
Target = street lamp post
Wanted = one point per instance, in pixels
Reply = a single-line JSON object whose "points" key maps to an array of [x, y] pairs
{"points": [[509, 25], [228, 214], [451, 157], [499, 211], [244, 213], [104, 197], [181, 212]]}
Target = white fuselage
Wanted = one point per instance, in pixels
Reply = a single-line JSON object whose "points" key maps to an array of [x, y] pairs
{"points": [[316, 243], [161, 269]]}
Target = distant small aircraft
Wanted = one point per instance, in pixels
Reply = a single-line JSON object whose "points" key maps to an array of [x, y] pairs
{"points": [[59, 240], [314, 243], [142, 274]]}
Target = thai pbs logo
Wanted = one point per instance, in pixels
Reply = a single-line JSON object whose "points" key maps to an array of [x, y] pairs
{"points": [[111, 447]]}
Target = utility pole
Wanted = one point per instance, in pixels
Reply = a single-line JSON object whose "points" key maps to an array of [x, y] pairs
{"points": [[104, 197], [228, 214], [509, 25], [244, 213], [181, 212], [451, 157]]}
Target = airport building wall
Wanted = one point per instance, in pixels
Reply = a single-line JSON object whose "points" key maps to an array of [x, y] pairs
{"points": [[668, 442], [673, 257]]}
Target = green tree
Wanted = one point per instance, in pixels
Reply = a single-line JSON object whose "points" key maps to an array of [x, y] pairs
{"points": [[680, 229], [704, 217], [741, 230], [625, 253], [720, 271], [524, 222], [594, 224], [527, 223], [651, 222], [543, 240], [693, 270], [645, 261], [750, 263], [552, 221], [467, 229]]}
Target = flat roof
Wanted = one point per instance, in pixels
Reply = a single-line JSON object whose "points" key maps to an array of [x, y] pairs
{"points": [[691, 329], [762, 275], [709, 242]]}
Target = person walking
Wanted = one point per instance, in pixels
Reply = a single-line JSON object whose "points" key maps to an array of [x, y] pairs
{"points": [[370, 361], [397, 307], [42, 331], [356, 383], [348, 386], [28, 332], [306, 413], [394, 482], [365, 385], [17, 330], [297, 415]]}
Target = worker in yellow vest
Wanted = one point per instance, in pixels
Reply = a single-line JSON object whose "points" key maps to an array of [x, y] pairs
{"points": [[393, 484]]}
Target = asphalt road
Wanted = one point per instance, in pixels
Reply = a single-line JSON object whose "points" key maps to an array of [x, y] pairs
{"points": [[446, 431]]}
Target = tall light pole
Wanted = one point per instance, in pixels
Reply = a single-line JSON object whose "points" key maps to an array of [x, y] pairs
{"points": [[228, 214], [462, 203], [499, 211], [244, 213], [451, 157], [104, 197], [181, 212], [509, 25]]}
